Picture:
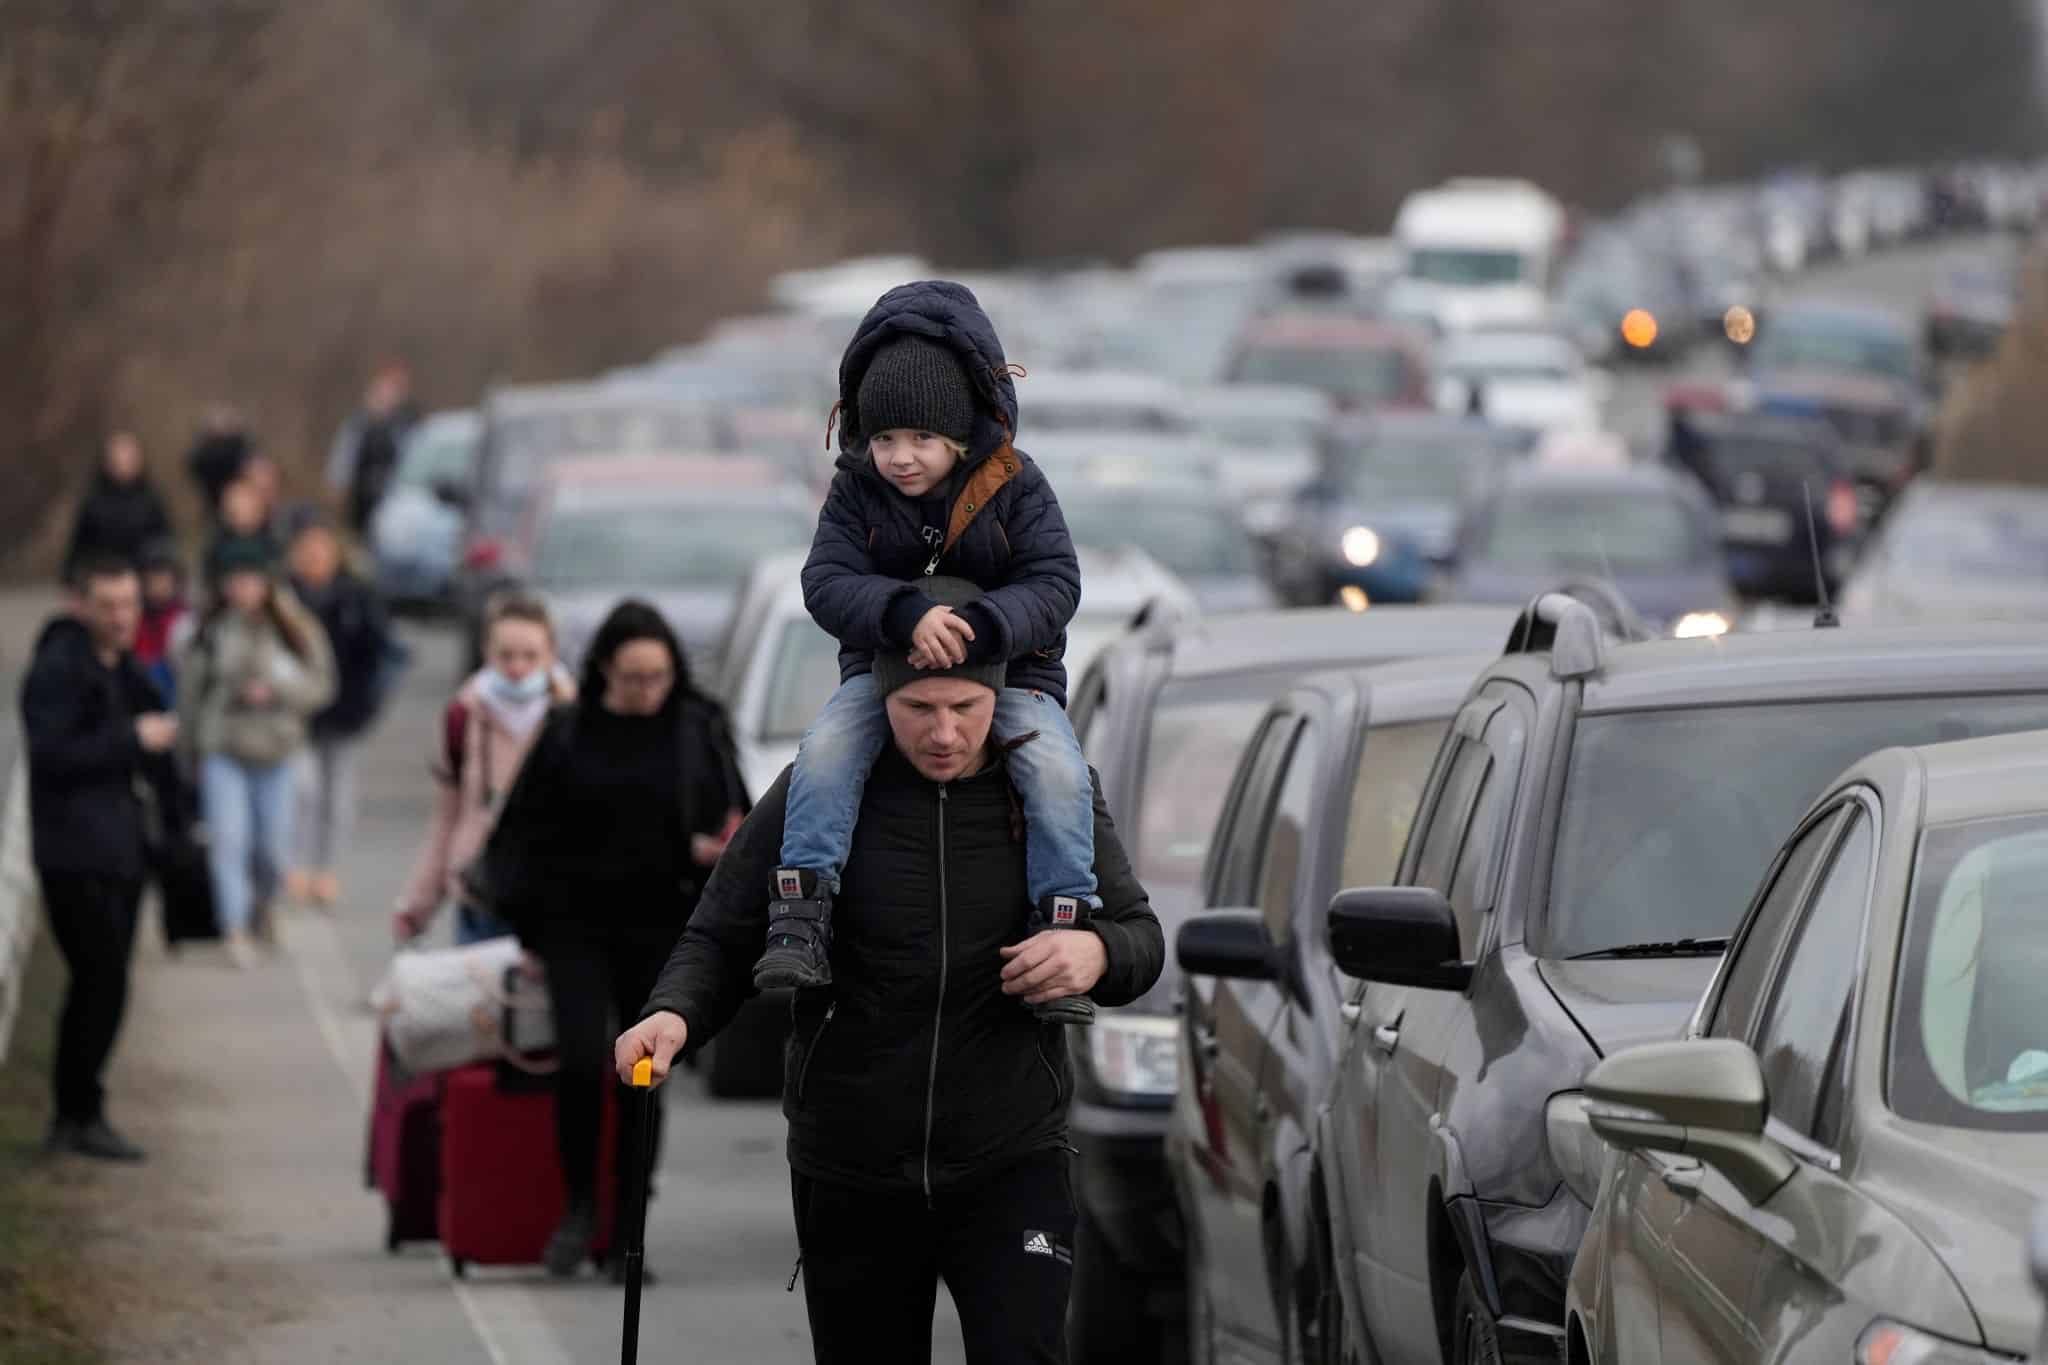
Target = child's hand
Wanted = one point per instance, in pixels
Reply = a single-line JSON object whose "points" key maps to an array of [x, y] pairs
{"points": [[940, 640]]}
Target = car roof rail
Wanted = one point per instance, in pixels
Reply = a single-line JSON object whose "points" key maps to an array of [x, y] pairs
{"points": [[1562, 626]]}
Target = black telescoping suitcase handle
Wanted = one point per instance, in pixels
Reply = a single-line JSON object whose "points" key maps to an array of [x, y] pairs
{"points": [[633, 1235]]}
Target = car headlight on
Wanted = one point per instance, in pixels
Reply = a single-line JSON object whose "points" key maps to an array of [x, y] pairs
{"points": [[1135, 1055], [1700, 625], [1360, 545], [1885, 1342], [1575, 1149]]}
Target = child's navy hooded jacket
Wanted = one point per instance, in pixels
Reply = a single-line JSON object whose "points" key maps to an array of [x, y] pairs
{"points": [[994, 522]]}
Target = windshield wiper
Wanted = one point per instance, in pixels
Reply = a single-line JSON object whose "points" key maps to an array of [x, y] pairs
{"points": [[1678, 947]]}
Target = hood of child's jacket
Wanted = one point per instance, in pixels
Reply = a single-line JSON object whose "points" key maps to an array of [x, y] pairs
{"points": [[947, 313]]}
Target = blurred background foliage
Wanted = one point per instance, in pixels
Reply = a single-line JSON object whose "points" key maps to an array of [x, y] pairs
{"points": [[252, 200]]}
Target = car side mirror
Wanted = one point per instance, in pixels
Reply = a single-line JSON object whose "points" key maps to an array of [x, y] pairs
{"points": [[1701, 1097], [1398, 935], [1227, 943]]}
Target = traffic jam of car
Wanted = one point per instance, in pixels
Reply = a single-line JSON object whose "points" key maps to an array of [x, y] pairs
{"points": [[1589, 760]]}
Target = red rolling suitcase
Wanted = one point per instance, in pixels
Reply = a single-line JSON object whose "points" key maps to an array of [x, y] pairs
{"points": [[501, 1184], [405, 1150]]}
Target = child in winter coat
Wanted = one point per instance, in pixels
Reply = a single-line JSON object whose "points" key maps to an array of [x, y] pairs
{"points": [[928, 482]]}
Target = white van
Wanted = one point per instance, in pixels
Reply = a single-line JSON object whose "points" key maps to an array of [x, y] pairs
{"points": [[1477, 253]]}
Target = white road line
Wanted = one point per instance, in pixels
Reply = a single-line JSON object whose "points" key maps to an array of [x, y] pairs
{"points": [[514, 1332]]}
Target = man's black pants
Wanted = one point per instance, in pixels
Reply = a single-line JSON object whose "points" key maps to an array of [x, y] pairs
{"points": [[1005, 1248], [92, 917]]}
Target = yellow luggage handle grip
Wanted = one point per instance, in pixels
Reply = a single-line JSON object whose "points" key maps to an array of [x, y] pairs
{"points": [[643, 1074]]}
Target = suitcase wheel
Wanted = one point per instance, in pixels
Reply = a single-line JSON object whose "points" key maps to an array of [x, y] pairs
{"points": [[458, 1266], [391, 1233]]}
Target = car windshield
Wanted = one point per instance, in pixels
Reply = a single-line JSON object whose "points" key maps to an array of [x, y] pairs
{"points": [[1732, 457], [1786, 345], [1592, 527], [1191, 536], [1407, 468], [663, 543], [525, 444], [1103, 414], [1199, 730], [1361, 374], [1970, 1028], [1656, 844], [1533, 361], [1465, 265], [802, 674], [2005, 540], [437, 454], [1263, 432]]}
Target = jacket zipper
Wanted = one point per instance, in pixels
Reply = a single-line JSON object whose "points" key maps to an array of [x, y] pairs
{"points": [[1059, 1091], [931, 1084], [803, 1077]]}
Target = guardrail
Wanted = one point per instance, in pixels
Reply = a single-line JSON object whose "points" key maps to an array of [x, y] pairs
{"points": [[20, 899]]}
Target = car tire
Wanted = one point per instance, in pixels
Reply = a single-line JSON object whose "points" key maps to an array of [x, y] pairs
{"points": [[1107, 1317], [1322, 1330], [1474, 1338]]}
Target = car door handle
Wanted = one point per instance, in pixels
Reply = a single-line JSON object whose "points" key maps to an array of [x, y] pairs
{"points": [[1387, 1036], [1350, 1011], [1681, 1180]]}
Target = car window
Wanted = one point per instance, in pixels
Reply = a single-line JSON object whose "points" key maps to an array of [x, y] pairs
{"points": [[1602, 529], [1198, 732], [660, 542], [1286, 844], [1391, 777], [1969, 1043], [1463, 786], [1654, 843], [1750, 961], [801, 678], [1240, 826], [1806, 1021]]}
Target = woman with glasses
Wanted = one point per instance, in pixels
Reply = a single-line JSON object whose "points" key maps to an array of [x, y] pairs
{"points": [[618, 813]]}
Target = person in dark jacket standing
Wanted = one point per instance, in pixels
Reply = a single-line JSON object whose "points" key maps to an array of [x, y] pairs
{"points": [[927, 1112], [367, 449], [359, 632], [93, 725], [219, 455], [122, 512], [623, 802], [929, 481]]}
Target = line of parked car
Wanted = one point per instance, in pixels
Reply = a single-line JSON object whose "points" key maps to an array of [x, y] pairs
{"points": [[1391, 1107]]}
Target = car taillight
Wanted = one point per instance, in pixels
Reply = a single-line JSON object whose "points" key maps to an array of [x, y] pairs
{"points": [[1843, 509], [483, 553]]}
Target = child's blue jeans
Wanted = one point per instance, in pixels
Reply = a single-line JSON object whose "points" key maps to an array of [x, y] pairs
{"points": [[1049, 773]]}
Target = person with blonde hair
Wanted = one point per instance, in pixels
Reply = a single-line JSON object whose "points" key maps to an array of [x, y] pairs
{"points": [[253, 673], [486, 731]]}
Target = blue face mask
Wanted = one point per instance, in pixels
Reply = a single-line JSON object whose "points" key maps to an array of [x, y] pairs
{"points": [[514, 691]]}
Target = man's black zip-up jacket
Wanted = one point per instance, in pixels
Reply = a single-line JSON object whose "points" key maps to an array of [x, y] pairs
{"points": [[913, 1069]]}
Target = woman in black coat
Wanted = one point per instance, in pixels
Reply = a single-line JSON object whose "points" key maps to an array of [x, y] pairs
{"points": [[122, 511], [618, 813]]}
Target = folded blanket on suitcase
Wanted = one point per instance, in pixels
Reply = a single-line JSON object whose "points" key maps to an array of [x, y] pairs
{"points": [[448, 1007]]}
